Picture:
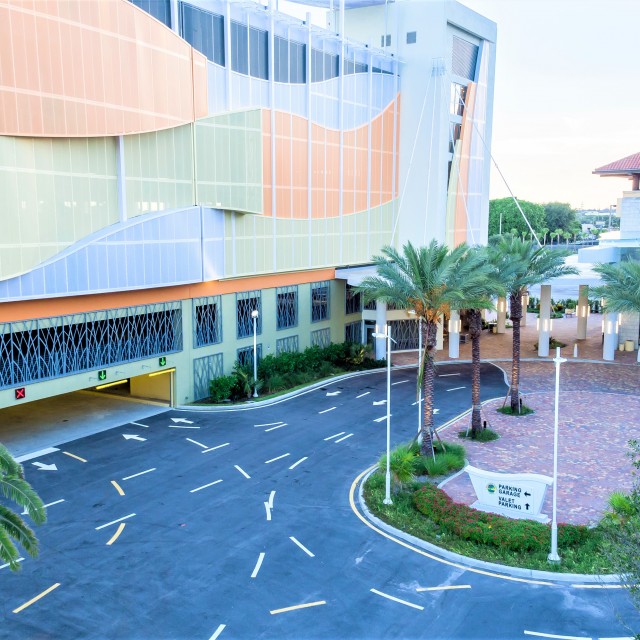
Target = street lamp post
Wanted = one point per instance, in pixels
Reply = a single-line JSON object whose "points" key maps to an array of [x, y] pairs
{"points": [[255, 314], [387, 336], [553, 556]]}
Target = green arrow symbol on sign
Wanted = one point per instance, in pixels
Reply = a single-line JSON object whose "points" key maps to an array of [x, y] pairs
{"points": [[102, 375], [162, 361]]}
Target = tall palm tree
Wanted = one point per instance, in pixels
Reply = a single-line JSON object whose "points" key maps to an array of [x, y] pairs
{"points": [[490, 287], [14, 487], [621, 288], [430, 280], [519, 265]]}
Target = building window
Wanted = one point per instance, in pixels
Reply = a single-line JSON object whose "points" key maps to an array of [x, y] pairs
{"points": [[385, 41], [351, 66], [353, 332], [244, 356], [320, 301], [287, 345], [353, 301], [454, 136], [371, 306], [286, 307], [290, 61], [159, 9], [321, 338], [246, 303], [324, 66], [405, 334], [412, 37], [458, 99], [207, 321], [259, 53], [464, 58], [204, 31]]}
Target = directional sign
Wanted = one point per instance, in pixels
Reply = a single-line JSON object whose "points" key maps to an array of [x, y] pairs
{"points": [[333, 393], [45, 467], [21, 393], [183, 420], [162, 361], [516, 495], [128, 436], [102, 374]]}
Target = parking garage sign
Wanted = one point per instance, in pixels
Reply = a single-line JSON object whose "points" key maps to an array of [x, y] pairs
{"points": [[515, 495]]}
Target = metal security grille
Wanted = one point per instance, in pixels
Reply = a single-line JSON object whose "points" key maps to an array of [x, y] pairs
{"points": [[64, 345], [321, 338], [320, 301], [405, 333], [287, 345], [353, 300], [353, 332], [246, 302], [204, 370], [464, 59], [287, 307], [207, 321], [245, 355]]}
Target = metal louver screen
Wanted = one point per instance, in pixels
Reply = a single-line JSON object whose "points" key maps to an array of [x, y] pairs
{"points": [[464, 59]]}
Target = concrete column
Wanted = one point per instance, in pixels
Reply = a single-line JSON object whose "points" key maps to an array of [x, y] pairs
{"points": [[582, 311], [381, 321], [525, 304], [502, 315], [440, 335], [544, 323], [454, 334], [610, 343]]}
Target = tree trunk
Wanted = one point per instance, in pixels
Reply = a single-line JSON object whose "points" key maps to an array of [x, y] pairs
{"points": [[431, 331], [475, 330], [516, 316]]}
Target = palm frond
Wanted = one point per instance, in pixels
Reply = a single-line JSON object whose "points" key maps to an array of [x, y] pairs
{"points": [[8, 465], [21, 492], [17, 529], [621, 288], [8, 551]]}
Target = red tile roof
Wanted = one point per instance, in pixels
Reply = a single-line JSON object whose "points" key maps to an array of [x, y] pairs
{"points": [[625, 166]]}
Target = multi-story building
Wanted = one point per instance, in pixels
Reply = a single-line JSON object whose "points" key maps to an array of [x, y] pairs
{"points": [[169, 167]]}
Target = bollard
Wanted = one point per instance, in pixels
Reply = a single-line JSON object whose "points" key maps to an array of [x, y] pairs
{"points": [[575, 350]]}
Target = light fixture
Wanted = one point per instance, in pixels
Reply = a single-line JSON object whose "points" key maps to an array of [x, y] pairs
{"points": [[161, 373], [255, 314], [112, 384]]}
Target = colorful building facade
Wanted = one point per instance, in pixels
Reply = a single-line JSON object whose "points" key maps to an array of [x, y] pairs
{"points": [[168, 167]]}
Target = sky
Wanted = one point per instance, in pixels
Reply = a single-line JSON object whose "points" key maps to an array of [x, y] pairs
{"points": [[567, 96]]}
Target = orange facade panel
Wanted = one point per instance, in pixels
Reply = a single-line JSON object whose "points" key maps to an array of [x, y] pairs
{"points": [[77, 68]]}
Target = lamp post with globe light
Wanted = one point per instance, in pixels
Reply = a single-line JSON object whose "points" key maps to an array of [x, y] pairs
{"points": [[255, 314]]}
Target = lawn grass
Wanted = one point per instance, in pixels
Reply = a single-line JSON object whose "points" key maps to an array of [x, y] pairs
{"points": [[589, 558], [485, 435], [524, 411]]}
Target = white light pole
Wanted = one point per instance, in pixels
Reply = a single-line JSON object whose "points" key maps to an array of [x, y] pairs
{"points": [[553, 556], [254, 314], [387, 336]]}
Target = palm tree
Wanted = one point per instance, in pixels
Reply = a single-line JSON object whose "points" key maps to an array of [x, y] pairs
{"points": [[430, 280], [492, 288], [543, 233], [621, 288], [519, 265], [14, 487]]}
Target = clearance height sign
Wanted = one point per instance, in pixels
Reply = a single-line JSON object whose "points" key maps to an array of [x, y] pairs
{"points": [[517, 495]]}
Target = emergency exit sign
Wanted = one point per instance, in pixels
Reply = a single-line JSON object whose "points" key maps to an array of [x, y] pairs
{"points": [[162, 361]]}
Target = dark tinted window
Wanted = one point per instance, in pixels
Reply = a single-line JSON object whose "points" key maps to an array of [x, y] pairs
{"points": [[204, 31], [159, 9]]}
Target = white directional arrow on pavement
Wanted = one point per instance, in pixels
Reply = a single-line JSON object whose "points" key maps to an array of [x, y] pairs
{"points": [[379, 402], [128, 436], [183, 420], [333, 393], [45, 467]]}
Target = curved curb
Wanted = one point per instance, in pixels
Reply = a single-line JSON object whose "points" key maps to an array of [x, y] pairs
{"points": [[473, 564]]}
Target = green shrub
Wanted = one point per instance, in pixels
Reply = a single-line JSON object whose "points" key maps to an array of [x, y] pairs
{"points": [[220, 388], [437, 467], [492, 529], [401, 464]]}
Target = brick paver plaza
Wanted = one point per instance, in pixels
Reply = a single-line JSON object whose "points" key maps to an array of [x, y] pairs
{"points": [[599, 413]]}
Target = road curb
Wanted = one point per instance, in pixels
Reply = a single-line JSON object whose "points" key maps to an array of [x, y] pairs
{"points": [[473, 563]]}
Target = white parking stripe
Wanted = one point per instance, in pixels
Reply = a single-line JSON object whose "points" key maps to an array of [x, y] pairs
{"points": [[553, 635], [327, 410], [258, 565], [204, 446], [226, 444], [362, 395], [268, 509], [344, 437], [102, 526], [311, 555], [404, 602], [335, 435], [447, 588], [204, 486], [243, 472], [278, 426], [135, 475], [272, 495], [268, 424], [456, 388], [399, 382], [284, 455], [295, 464], [139, 424], [4, 566], [447, 375], [218, 631]]}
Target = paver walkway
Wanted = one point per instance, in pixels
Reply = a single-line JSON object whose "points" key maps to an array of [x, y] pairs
{"points": [[599, 413]]}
